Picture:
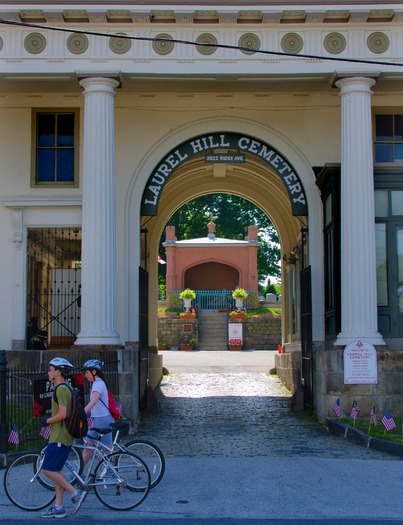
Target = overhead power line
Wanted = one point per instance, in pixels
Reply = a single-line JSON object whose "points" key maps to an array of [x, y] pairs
{"points": [[192, 43]]}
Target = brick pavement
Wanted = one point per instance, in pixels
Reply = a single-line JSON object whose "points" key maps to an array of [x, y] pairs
{"points": [[238, 415]]}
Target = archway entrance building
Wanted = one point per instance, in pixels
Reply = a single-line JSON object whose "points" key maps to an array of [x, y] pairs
{"points": [[295, 133]]}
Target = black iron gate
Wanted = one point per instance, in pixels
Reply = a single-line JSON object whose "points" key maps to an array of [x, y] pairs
{"points": [[54, 287], [306, 336], [143, 336]]}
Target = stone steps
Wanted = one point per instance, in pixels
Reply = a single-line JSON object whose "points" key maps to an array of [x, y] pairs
{"points": [[213, 330]]}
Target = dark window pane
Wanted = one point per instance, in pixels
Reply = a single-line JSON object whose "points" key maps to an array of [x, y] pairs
{"points": [[398, 127], [384, 127], [398, 157], [383, 153], [46, 165], [65, 165], [65, 129], [46, 129]]}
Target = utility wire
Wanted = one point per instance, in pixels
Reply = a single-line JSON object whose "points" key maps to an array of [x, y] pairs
{"points": [[192, 43]]}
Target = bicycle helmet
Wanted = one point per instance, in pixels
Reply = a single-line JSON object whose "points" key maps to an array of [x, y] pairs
{"points": [[61, 364], [92, 364]]}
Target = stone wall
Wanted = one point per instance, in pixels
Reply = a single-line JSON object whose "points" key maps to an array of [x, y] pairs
{"points": [[175, 330], [262, 333], [329, 384], [288, 369]]}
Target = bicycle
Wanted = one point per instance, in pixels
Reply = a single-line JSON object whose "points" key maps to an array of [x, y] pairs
{"points": [[121, 480], [147, 451]]}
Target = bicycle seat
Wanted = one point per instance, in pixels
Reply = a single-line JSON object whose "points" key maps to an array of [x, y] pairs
{"points": [[102, 431], [120, 425]]}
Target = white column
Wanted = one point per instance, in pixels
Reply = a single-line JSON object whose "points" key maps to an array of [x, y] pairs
{"points": [[98, 288], [19, 300], [358, 256]]}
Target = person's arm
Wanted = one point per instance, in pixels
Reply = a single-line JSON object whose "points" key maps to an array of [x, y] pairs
{"points": [[60, 416], [94, 400]]}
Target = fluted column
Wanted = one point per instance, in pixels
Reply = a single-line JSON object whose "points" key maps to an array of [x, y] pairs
{"points": [[98, 289], [358, 255]]}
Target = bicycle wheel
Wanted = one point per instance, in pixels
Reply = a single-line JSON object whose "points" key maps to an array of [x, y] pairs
{"points": [[122, 481], [23, 486], [151, 455], [75, 459]]}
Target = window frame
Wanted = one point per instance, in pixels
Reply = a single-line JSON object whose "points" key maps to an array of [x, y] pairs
{"points": [[384, 111], [34, 176]]}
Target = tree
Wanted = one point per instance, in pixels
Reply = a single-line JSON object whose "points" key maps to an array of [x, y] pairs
{"points": [[232, 215]]}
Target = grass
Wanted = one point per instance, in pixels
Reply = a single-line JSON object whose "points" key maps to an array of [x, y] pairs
{"points": [[257, 311], [377, 431]]}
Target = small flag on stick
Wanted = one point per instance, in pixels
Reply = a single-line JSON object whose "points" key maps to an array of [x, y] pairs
{"points": [[372, 418], [45, 432], [388, 421], [337, 408], [355, 410], [14, 437]]}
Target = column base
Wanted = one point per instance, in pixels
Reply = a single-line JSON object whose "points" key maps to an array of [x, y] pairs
{"points": [[345, 338], [97, 339]]}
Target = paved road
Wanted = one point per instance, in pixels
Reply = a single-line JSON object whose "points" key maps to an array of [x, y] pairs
{"points": [[236, 454]]}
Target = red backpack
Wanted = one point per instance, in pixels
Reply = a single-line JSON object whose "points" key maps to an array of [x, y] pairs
{"points": [[113, 406]]}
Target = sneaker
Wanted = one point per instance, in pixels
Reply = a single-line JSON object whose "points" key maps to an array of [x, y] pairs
{"points": [[53, 512], [78, 500]]}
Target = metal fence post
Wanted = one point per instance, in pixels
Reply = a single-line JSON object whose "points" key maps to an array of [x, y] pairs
{"points": [[3, 404]]}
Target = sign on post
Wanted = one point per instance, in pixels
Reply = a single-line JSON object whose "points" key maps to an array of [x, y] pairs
{"points": [[235, 334], [360, 364]]}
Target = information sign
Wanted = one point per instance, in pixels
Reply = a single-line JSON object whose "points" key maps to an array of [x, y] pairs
{"points": [[235, 334], [360, 364]]}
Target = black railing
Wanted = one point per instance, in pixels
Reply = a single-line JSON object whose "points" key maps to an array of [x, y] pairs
{"points": [[22, 390]]}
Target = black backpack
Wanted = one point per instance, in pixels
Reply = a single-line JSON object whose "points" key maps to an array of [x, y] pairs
{"points": [[76, 423]]}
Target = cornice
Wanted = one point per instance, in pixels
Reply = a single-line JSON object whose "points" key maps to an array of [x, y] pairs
{"points": [[191, 14]]}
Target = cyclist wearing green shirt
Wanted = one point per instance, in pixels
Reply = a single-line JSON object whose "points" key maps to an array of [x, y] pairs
{"points": [[60, 441]]}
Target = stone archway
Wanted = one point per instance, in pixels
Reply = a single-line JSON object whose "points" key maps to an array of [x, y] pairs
{"points": [[254, 180]]}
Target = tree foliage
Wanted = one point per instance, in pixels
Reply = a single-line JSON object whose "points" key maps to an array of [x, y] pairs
{"points": [[232, 216]]}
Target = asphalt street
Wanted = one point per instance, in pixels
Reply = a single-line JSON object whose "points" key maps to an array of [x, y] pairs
{"points": [[237, 454]]}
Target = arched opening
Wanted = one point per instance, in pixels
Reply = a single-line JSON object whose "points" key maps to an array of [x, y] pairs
{"points": [[211, 276], [256, 180]]}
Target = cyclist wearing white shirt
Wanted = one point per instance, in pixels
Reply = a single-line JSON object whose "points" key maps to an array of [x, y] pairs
{"points": [[97, 406]]}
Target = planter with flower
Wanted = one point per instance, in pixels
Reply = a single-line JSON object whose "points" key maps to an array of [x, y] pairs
{"points": [[239, 294], [235, 344], [187, 344], [163, 346], [191, 314], [187, 296], [238, 313]]}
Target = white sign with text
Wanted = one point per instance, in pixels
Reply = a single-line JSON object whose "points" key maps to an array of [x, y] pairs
{"points": [[360, 364]]}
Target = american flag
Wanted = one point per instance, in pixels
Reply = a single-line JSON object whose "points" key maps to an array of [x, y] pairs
{"points": [[161, 260], [14, 437], [45, 432], [373, 416], [355, 410], [337, 408], [90, 421], [388, 422]]}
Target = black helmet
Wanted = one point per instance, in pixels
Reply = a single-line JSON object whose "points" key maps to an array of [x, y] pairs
{"points": [[92, 364], [61, 364]]}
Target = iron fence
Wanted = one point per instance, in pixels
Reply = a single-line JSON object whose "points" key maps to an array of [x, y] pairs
{"points": [[23, 388]]}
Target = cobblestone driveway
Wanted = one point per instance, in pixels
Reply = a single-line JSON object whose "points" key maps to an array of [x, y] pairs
{"points": [[237, 415]]}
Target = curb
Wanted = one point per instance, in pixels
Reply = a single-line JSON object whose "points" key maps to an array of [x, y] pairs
{"points": [[360, 438]]}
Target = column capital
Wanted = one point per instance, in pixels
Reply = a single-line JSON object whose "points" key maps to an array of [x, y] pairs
{"points": [[355, 84], [95, 83]]}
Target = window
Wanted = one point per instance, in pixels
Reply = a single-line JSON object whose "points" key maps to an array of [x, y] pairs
{"points": [[56, 147], [388, 138]]}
